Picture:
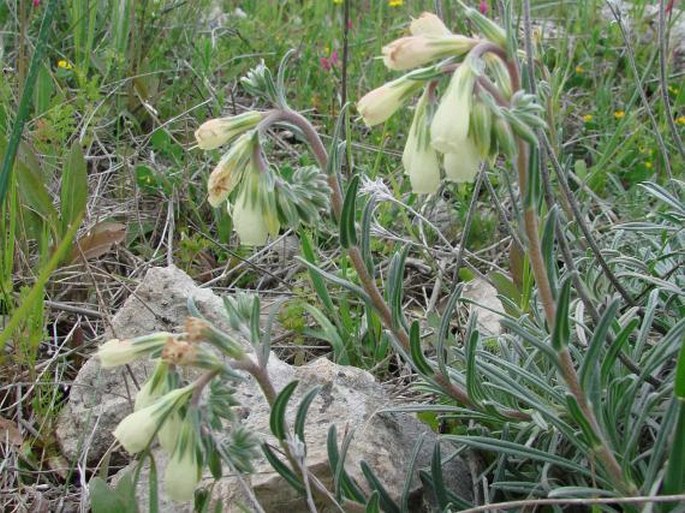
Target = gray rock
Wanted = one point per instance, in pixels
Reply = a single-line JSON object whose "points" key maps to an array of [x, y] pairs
{"points": [[349, 398]]}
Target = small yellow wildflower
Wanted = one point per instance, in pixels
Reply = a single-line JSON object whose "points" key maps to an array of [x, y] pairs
{"points": [[587, 118], [619, 114], [648, 165], [580, 70], [680, 120], [673, 89], [63, 64], [337, 2], [395, 3]]}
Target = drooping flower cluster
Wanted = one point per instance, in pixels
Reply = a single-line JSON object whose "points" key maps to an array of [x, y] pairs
{"points": [[253, 212], [162, 408], [460, 127]]}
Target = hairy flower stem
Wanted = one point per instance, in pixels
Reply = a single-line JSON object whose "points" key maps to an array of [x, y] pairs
{"points": [[566, 364], [367, 281]]}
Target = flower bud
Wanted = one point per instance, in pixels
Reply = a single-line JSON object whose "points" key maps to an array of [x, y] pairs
{"points": [[219, 131], [462, 166], [504, 137], [378, 105], [450, 126], [117, 352], [183, 471], [154, 387], [481, 127], [419, 159], [136, 430], [500, 74], [428, 24], [230, 169], [410, 52], [487, 27]]}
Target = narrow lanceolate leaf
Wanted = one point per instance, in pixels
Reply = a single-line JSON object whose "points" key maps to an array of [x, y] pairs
{"points": [[474, 387], [373, 506], [386, 501], [417, 357], [562, 326], [438, 481], [343, 484], [277, 418], [593, 356], [674, 480], [548, 252], [365, 233], [443, 330], [301, 415], [614, 350], [577, 414], [395, 285], [356, 289], [282, 469], [406, 489], [348, 232], [317, 281], [74, 189]]}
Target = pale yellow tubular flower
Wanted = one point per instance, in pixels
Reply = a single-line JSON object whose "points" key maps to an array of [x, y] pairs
{"points": [[253, 219], [168, 433], [378, 105], [217, 132], [230, 169], [462, 166], [136, 430], [428, 24], [117, 352], [412, 51], [450, 126], [183, 471], [419, 159]]}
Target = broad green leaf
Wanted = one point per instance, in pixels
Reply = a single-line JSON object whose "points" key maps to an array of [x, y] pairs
{"points": [[277, 417], [104, 499], [31, 186], [44, 90], [74, 187]]}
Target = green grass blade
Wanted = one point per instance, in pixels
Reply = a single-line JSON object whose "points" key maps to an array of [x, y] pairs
{"points": [[348, 231], [26, 100]]}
